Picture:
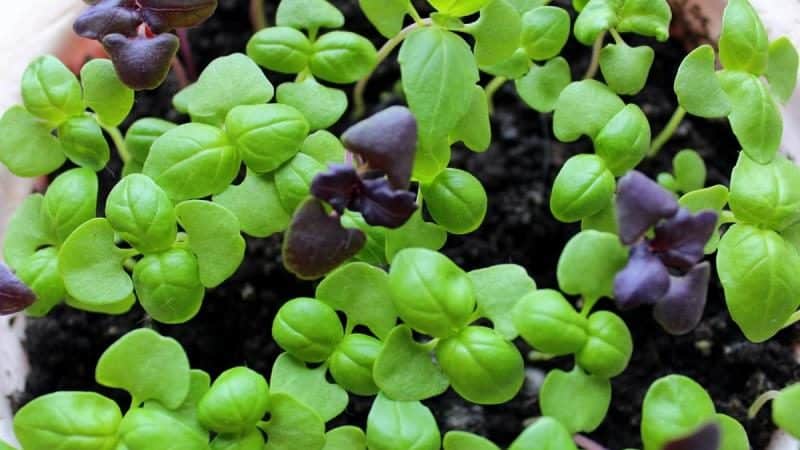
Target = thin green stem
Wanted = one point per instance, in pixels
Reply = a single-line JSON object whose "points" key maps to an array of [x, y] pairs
{"points": [[617, 37], [762, 400], [258, 18], [793, 319], [668, 131], [412, 11], [119, 142], [594, 64], [359, 106], [492, 89], [588, 305]]}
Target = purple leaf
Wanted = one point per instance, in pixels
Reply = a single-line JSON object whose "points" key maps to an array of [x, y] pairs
{"points": [[643, 281], [142, 62], [387, 141], [641, 204], [681, 309], [14, 294], [108, 17], [383, 206], [338, 186], [316, 242], [166, 15], [707, 437], [680, 241]]}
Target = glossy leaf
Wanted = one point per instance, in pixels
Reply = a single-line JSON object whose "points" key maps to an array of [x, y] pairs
{"points": [[542, 85], [578, 400], [609, 346], [398, 425], [707, 436], [595, 18], [293, 425], [345, 438], [681, 309], [324, 147], [583, 187], [782, 68], [352, 363], [293, 377], [255, 202], [646, 17], [405, 370], [40, 274], [373, 250], [513, 68], [308, 329], [475, 128], [743, 43], [308, 14], [329, 105], [545, 31], [605, 220], [588, 264], [266, 136], [690, 170], [107, 17], [497, 32], [734, 436], [116, 308], [697, 86], [83, 142], [625, 68], [549, 323], [104, 93], [26, 146], [545, 434], [497, 290], [784, 409], [342, 57], [768, 194], [674, 407], [142, 214], [143, 426], [252, 440], [456, 200], [70, 201], [50, 91], [458, 8], [293, 180], [386, 16], [141, 135], [141, 62], [416, 232], [574, 117], [236, 401], [199, 384], [641, 204], [282, 49], [625, 140], [168, 286], [461, 440]]}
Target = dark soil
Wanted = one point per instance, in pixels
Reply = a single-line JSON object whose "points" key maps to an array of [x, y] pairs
{"points": [[233, 327]]}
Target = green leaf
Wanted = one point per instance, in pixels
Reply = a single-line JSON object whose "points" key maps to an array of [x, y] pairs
{"points": [[609, 347], [342, 57], [497, 290], [782, 68], [104, 93], [141, 135], [373, 251], [309, 386], [148, 366], [293, 425], [734, 436], [461, 440], [524, 6], [596, 18], [68, 420], [416, 232], [256, 204], [83, 142], [6, 446], [351, 364], [168, 286], [605, 220], [784, 410], [142, 214], [582, 188], [69, 202], [512, 68], [545, 434], [755, 117], [625, 140], [324, 147], [690, 170], [27, 147], [697, 86], [308, 14], [542, 85], [50, 91], [362, 292], [766, 195], [749, 259], [456, 201], [322, 106], [405, 370], [114, 308], [282, 49], [237, 400], [345, 438], [386, 16], [578, 400], [545, 31], [308, 329], [497, 32], [252, 440], [200, 382], [584, 107], [458, 8], [26, 232], [431, 293], [625, 68], [475, 128], [214, 94], [397, 425], [674, 407], [293, 180], [40, 273], [192, 161], [266, 136], [91, 265], [214, 237], [483, 366], [142, 427], [713, 197], [743, 44], [433, 156], [549, 323], [646, 17]]}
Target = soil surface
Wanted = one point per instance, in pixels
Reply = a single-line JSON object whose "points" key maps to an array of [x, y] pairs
{"points": [[233, 327]]}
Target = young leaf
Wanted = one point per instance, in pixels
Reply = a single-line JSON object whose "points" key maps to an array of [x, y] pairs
{"points": [[513, 68], [706, 437], [142, 62], [416, 232], [625, 140], [199, 384], [80, 420], [342, 57], [148, 366], [386, 16], [578, 400], [308, 14], [69, 201], [497, 32], [546, 433], [784, 409], [373, 251], [252, 440], [14, 294], [236, 401], [646, 17], [641, 204], [40, 273], [523, 6], [574, 117], [329, 104], [141, 135], [282, 49], [698, 89], [104, 93], [26, 232], [266, 136], [83, 142], [595, 18], [609, 347], [293, 180], [743, 44], [141, 427], [405, 370], [475, 128], [734, 436], [27, 147], [542, 85], [166, 15], [545, 31], [214, 237], [767, 195], [431, 293], [255, 202], [497, 290], [324, 147], [458, 8], [308, 329], [681, 309], [625, 68], [588, 264], [674, 407], [679, 241], [482, 365], [461, 440], [398, 425], [690, 171], [168, 286], [549, 323], [456, 201], [293, 425], [345, 438], [782, 68], [352, 363], [309, 386], [582, 188], [644, 280], [605, 220], [50, 91], [192, 161], [142, 214]]}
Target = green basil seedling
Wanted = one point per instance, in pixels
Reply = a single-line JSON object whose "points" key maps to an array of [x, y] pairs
{"points": [[351, 364], [583, 187], [308, 329], [142, 213], [27, 147], [456, 201], [345, 438], [545, 31], [458, 8], [266, 135], [342, 57], [397, 425], [547, 433], [766, 195], [497, 32], [50, 91], [83, 142], [405, 369], [782, 68], [609, 345], [784, 409], [588, 264], [542, 85], [743, 43], [141, 427], [626, 68], [293, 424], [308, 386], [497, 290], [329, 105], [104, 93], [168, 286], [549, 323], [578, 400], [253, 440], [282, 49], [674, 406], [236, 401], [257, 205], [461, 440]]}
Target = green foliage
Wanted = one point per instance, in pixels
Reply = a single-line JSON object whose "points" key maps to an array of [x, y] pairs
{"points": [[608, 347], [141, 135], [405, 370], [141, 427], [625, 68], [497, 290], [293, 424], [345, 438], [397, 425], [342, 57], [282, 49], [83, 142], [40, 273], [588, 264], [293, 180], [697, 86], [595, 18], [646, 17], [50, 91], [458, 8], [415, 233], [456, 201], [784, 409], [545, 31], [734, 436], [461, 440], [308, 14], [475, 128], [142, 214], [266, 135], [573, 117], [26, 146], [782, 68], [583, 187], [168, 285], [104, 93], [541, 87], [549, 323], [387, 16], [308, 386], [351, 364], [497, 32], [308, 329], [236, 401], [256, 204], [578, 400], [766, 195], [545, 434], [624, 140], [690, 171], [743, 44], [322, 106], [674, 407]]}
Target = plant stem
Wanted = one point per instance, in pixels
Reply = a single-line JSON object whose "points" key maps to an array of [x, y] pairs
{"points": [[258, 18], [595, 62], [186, 54], [586, 443], [492, 88], [119, 142], [180, 73], [762, 400], [588, 305], [359, 107], [617, 37], [667, 132]]}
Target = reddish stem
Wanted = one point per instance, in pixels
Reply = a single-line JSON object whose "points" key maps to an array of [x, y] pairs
{"points": [[586, 443], [186, 54]]}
